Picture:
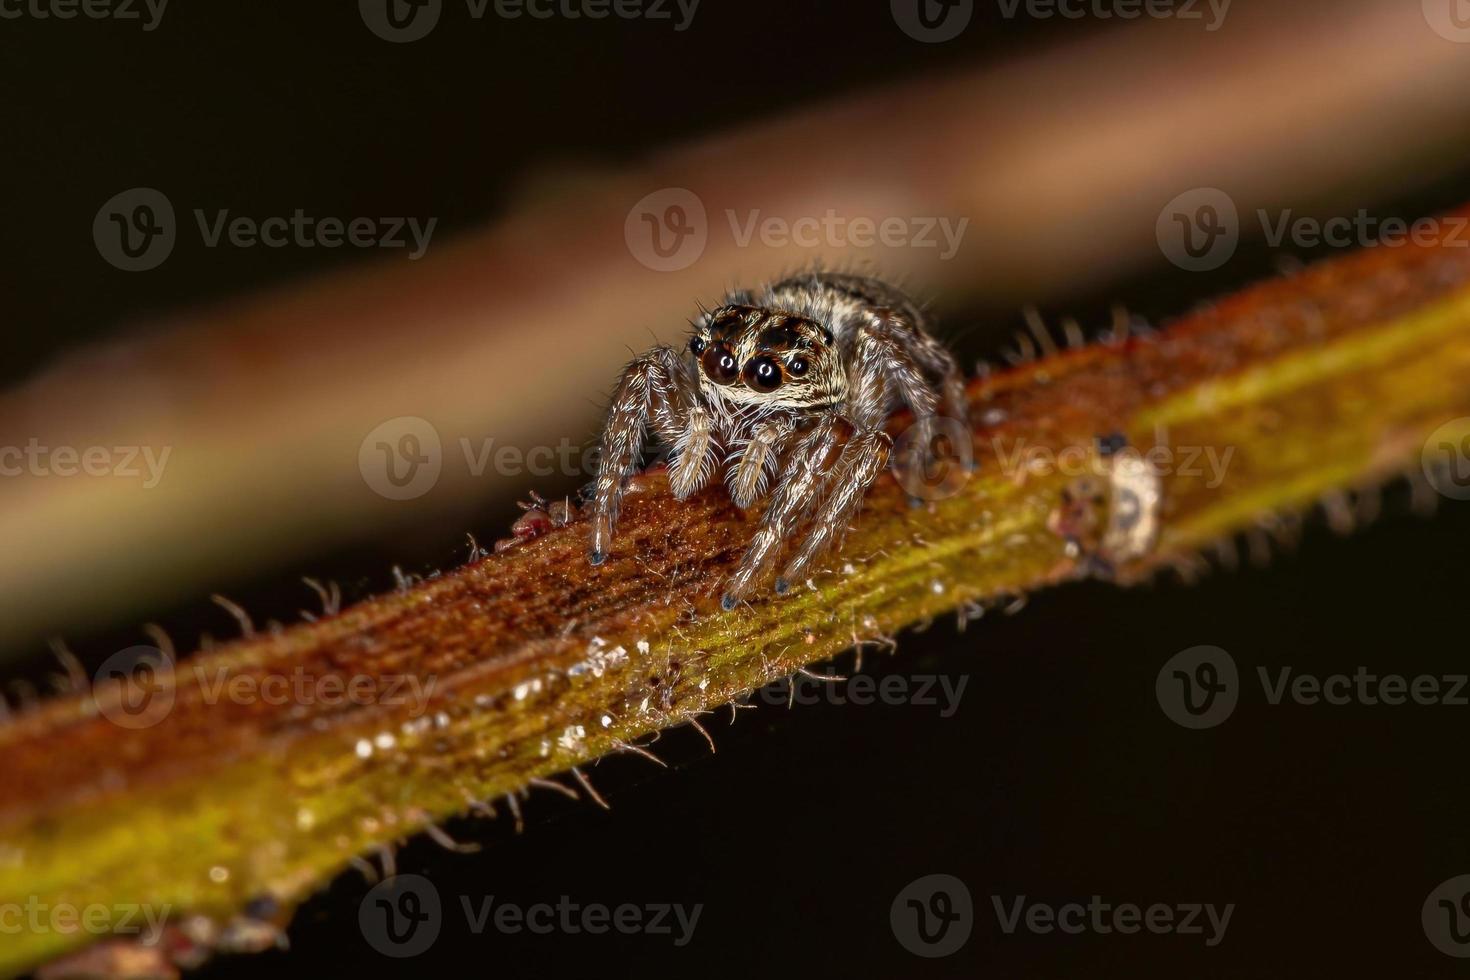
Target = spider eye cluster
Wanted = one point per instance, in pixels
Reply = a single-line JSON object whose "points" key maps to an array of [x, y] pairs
{"points": [[766, 371]]}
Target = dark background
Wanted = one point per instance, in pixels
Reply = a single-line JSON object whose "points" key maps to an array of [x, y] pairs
{"points": [[1058, 778]]}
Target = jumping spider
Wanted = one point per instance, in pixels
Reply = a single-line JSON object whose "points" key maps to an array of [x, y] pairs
{"points": [[791, 384]]}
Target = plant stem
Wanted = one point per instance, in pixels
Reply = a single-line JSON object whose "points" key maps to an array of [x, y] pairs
{"points": [[529, 662]]}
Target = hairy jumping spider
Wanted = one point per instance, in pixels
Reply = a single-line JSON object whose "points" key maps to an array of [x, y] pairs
{"points": [[790, 386]]}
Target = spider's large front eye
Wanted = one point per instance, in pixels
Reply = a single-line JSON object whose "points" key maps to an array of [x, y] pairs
{"points": [[763, 374], [719, 364]]}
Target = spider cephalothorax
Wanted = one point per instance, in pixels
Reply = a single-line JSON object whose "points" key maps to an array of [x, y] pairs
{"points": [[789, 388], [755, 356]]}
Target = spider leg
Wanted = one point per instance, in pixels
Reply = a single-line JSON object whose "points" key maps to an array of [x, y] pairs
{"points": [[693, 461], [863, 459], [655, 393], [897, 351], [748, 479], [885, 364], [935, 359], [798, 490]]}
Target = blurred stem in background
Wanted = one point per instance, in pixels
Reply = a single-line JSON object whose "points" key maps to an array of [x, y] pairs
{"points": [[263, 405]]}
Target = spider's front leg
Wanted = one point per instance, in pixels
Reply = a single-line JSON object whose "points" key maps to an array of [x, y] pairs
{"points": [[657, 393], [693, 460], [932, 356], [862, 461], [748, 478], [895, 355], [799, 486]]}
